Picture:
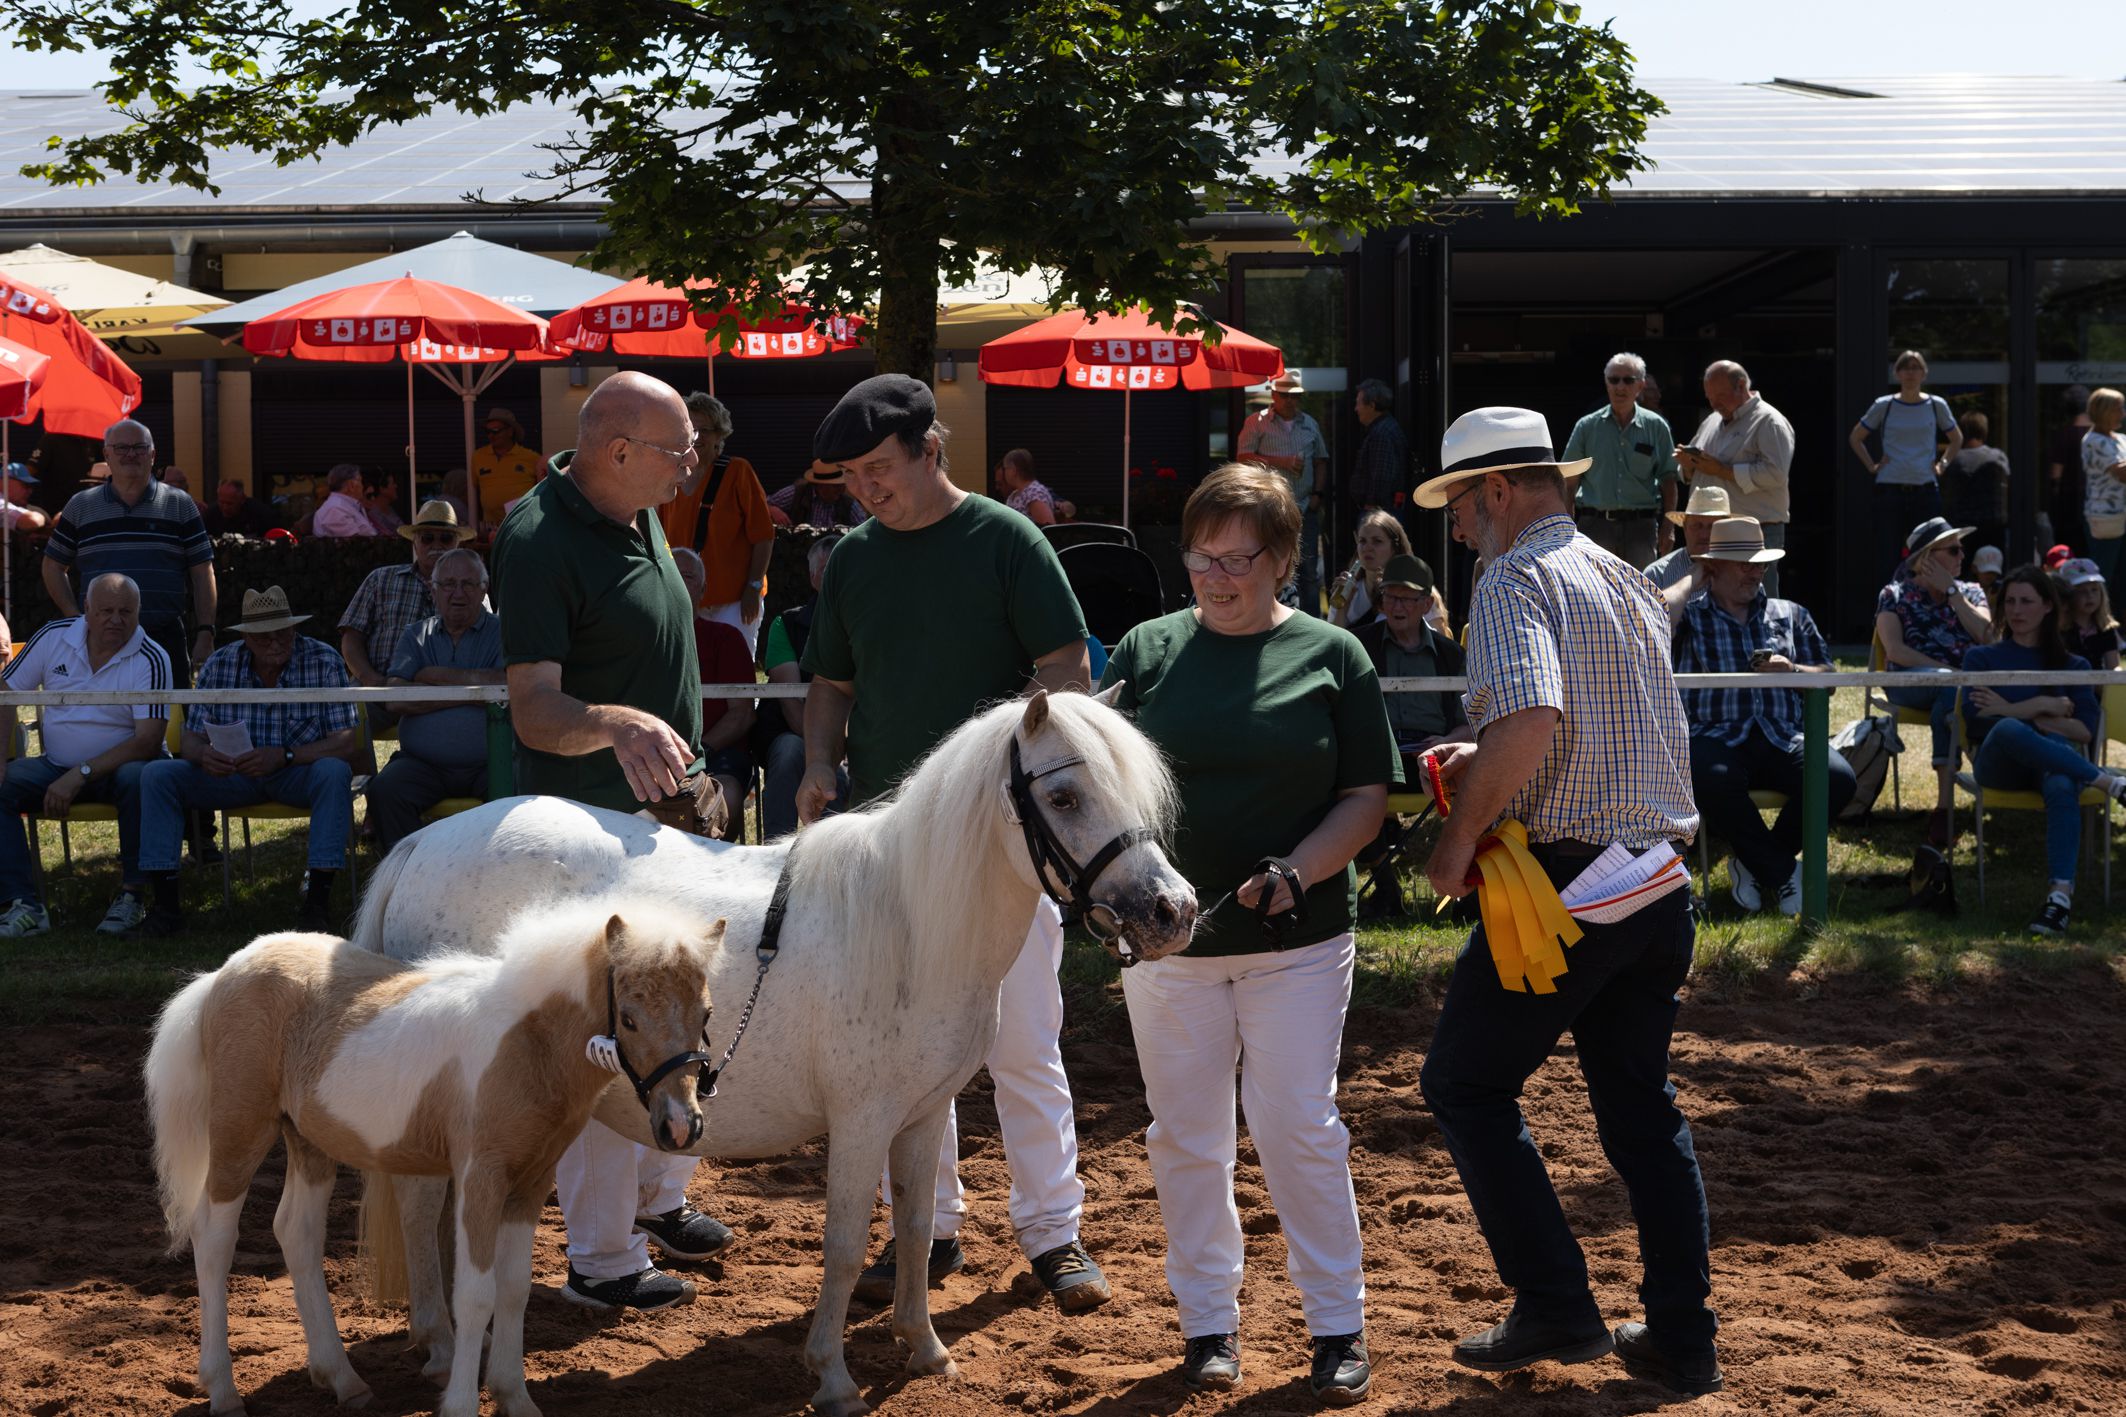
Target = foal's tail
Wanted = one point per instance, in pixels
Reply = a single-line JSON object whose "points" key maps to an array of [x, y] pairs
{"points": [[382, 1245], [369, 920], [178, 1107]]}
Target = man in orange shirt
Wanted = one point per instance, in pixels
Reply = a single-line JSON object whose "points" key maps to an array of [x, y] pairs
{"points": [[721, 513]]}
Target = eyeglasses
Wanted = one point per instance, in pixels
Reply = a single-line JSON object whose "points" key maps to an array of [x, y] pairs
{"points": [[128, 450], [1234, 565], [436, 538], [1474, 483], [675, 454], [1623, 378]]}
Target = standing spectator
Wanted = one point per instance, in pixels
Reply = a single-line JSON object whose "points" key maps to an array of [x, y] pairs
{"points": [[1629, 491], [393, 599], [1303, 775], [343, 513], [1018, 489], [2031, 735], [784, 754], [820, 497], [15, 506], [2104, 480], [1745, 740], [1380, 473], [1749, 446], [1379, 539], [1581, 738], [882, 695], [1974, 483], [1986, 566], [722, 515], [1913, 424], [1928, 619], [726, 724], [442, 746], [506, 468], [300, 755], [91, 752], [380, 496], [1285, 437], [2089, 628], [135, 527], [605, 697], [237, 513], [1678, 570], [2063, 470]]}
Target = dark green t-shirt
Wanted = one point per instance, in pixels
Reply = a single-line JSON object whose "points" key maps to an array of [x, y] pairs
{"points": [[605, 602], [1263, 731], [932, 624]]}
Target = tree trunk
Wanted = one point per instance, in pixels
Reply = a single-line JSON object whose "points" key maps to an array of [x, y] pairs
{"points": [[908, 227]]}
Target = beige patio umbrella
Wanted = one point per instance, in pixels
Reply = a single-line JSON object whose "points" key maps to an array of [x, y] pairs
{"points": [[109, 300]]}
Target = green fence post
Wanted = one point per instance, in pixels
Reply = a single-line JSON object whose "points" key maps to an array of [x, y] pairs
{"points": [[1816, 809], [501, 753]]}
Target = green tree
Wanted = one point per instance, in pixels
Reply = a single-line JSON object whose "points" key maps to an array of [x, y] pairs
{"points": [[877, 144]]}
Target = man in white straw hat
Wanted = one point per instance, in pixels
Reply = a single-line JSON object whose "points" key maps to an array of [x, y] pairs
{"points": [[1580, 738], [1285, 437], [1678, 571], [391, 598], [1745, 740], [240, 755]]}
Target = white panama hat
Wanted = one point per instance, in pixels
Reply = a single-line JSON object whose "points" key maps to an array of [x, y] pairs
{"points": [[1493, 440]]}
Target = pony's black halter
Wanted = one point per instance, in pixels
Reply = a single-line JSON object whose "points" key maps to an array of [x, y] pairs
{"points": [[705, 1086], [1072, 884]]}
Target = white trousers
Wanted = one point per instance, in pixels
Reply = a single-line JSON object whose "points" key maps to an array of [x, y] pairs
{"points": [[1278, 1018], [1034, 1112], [732, 614], [605, 1181]]}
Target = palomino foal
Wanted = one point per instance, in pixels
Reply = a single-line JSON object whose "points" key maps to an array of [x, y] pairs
{"points": [[472, 1068]]}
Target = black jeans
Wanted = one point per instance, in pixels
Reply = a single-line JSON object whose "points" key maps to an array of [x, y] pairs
{"points": [[1618, 996], [1722, 776], [1898, 508]]}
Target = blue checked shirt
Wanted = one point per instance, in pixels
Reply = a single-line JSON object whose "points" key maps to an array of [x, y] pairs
{"points": [[1711, 641], [1559, 623], [391, 600], [290, 724]]}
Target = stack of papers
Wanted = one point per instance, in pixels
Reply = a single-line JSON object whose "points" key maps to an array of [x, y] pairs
{"points": [[1617, 883]]}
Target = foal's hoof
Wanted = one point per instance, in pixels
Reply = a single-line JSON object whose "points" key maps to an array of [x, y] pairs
{"points": [[937, 1367], [437, 1368], [850, 1406]]}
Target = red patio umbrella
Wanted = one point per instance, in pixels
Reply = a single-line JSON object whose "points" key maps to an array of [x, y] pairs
{"points": [[648, 320], [1126, 352], [86, 388], [421, 322], [22, 374]]}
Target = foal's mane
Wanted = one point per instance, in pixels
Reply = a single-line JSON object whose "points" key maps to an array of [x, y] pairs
{"points": [[906, 874], [544, 949]]}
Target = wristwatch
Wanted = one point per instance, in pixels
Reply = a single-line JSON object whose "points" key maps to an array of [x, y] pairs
{"points": [[287, 757], [87, 772]]}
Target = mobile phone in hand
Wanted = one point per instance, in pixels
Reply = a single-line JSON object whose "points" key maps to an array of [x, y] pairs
{"points": [[1761, 657]]}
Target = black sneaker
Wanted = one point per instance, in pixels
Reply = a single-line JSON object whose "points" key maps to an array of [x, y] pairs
{"points": [[1521, 1341], [875, 1284], [1342, 1374], [1070, 1274], [2052, 915], [1211, 1363], [684, 1234], [1643, 1358], [647, 1290]]}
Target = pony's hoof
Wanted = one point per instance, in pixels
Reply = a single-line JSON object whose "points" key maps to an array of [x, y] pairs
{"points": [[355, 1397], [516, 1404], [940, 1365], [234, 1409], [437, 1368], [850, 1406]]}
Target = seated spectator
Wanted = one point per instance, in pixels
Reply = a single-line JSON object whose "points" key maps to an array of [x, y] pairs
{"points": [[380, 496], [1018, 490], [92, 753], [442, 746], [2091, 631], [783, 756], [2034, 736], [726, 724], [299, 754], [1927, 619], [820, 497], [1403, 646], [237, 513], [1379, 537], [393, 599], [177, 477], [21, 516], [1678, 576], [1986, 566], [454, 494], [342, 513], [1750, 739]]}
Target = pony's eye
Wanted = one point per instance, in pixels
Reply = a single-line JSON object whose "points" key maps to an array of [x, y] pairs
{"points": [[627, 1021], [1063, 800]]}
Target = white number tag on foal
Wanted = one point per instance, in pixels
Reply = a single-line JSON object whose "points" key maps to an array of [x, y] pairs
{"points": [[604, 1051]]}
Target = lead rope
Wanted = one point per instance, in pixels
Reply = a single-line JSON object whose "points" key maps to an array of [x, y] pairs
{"points": [[770, 944]]}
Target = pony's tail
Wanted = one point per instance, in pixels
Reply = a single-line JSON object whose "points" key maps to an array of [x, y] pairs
{"points": [[382, 1245], [369, 921], [178, 1108]]}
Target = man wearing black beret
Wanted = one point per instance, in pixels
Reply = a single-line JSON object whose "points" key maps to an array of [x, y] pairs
{"points": [[940, 603]]}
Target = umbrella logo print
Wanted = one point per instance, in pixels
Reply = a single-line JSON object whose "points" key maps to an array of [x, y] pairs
{"points": [[793, 344]]}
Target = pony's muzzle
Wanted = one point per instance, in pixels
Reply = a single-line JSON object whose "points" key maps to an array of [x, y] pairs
{"points": [[678, 1125], [1155, 922]]}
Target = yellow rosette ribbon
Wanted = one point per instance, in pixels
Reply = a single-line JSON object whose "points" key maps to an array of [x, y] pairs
{"points": [[1525, 923]]}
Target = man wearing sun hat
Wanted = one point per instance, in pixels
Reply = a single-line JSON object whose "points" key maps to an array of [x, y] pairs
{"points": [[1581, 738], [394, 597], [300, 753], [505, 469], [1745, 740], [1285, 437], [820, 497], [1677, 572]]}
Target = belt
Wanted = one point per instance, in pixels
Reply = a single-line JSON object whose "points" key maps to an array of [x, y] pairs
{"points": [[1621, 514], [1568, 857]]}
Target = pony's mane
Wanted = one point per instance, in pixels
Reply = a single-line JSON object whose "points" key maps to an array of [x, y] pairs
{"points": [[901, 870], [543, 947]]}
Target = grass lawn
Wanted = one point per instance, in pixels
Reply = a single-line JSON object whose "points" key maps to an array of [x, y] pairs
{"points": [[75, 974]]}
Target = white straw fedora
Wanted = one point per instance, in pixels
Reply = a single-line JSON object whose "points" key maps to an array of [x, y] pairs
{"points": [[1493, 440], [1704, 502], [1740, 539], [266, 611]]}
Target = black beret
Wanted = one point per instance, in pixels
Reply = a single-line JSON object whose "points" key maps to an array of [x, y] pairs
{"points": [[872, 412]]}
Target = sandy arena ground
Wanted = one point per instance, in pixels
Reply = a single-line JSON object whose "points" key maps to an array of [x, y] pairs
{"points": [[1919, 1205]]}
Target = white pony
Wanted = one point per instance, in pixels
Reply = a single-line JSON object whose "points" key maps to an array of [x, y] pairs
{"points": [[471, 1068], [902, 921]]}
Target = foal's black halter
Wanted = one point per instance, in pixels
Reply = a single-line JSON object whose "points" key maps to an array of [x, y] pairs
{"points": [[1071, 885], [707, 1082]]}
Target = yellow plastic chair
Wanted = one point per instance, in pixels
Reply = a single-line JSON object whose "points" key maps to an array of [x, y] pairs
{"points": [[2005, 800], [451, 806], [282, 812], [89, 811], [1765, 801], [1874, 701]]}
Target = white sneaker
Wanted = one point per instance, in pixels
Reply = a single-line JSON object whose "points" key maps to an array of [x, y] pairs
{"points": [[22, 919], [124, 914], [1745, 886], [1790, 893]]}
